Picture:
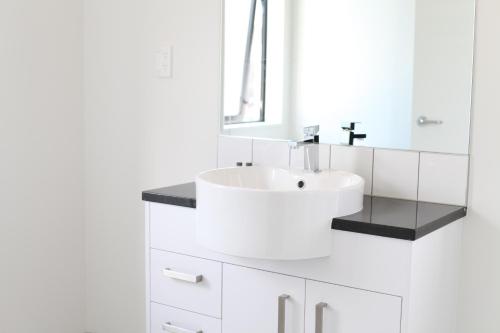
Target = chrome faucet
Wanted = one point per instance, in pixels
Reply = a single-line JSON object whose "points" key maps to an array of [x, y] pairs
{"points": [[311, 148]]}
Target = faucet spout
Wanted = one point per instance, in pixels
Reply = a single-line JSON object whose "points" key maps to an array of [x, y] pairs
{"points": [[311, 148], [311, 157], [300, 143]]}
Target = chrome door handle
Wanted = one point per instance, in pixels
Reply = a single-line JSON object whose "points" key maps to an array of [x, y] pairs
{"points": [[168, 327], [281, 312], [423, 120], [319, 317], [182, 276]]}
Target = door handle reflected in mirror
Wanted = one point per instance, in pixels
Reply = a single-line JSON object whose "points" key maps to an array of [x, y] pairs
{"points": [[423, 120]]}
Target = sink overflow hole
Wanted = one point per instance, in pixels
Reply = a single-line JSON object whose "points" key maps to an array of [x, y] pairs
{"points": [[301, 184]]}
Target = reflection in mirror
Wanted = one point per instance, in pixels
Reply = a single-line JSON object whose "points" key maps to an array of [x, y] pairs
{"points": [[401, 70], [252, 104]]}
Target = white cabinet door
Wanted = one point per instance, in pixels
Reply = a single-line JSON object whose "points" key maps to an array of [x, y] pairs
{"points": [[335, 309], [260, 302]]}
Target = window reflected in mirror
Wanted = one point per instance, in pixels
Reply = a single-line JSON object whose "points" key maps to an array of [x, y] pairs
{"points": [[251, 104]]}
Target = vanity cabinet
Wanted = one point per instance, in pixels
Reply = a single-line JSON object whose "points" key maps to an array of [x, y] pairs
{"points": [[369, 283]]}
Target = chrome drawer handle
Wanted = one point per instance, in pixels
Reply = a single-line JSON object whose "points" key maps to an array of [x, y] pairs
{"points": [[182, 276], [168, 327], [281, 312], [319, 317]]}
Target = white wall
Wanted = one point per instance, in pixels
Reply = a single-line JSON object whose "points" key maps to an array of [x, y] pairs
{"points": [[480, 301], [41, 180], [141, 132]]}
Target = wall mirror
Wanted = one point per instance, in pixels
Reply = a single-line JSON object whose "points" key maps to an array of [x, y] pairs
{"points": [[399, 71]]}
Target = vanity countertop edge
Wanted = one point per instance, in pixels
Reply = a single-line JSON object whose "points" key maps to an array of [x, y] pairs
{"points": [[385, 217]]}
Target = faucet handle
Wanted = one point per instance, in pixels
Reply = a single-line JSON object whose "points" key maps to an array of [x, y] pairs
{"points": [[350, 127], [311, 130]]}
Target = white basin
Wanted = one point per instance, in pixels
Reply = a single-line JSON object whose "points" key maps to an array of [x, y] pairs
{"points": [[260, 212]]}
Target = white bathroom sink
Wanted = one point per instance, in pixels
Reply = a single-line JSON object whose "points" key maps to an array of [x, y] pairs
{"points": [[271, 213]]}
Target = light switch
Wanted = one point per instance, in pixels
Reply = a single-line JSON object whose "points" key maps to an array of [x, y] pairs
{"points": [[164, 62]]}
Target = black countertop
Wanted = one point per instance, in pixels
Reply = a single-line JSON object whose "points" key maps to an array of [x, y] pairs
{"points": [[179, 195], [394, 218], [397, 218]]}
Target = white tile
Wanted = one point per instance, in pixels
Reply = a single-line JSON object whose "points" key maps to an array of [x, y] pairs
{"points": [[232, 150], [395, 174], [297, 157], [271, 153], [443, 178], [358, 160]]}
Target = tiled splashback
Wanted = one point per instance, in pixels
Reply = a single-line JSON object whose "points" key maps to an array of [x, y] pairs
{"points": [[423, 176]]}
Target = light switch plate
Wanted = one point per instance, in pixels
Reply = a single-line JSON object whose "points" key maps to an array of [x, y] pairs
{"points": [[164, 62]]}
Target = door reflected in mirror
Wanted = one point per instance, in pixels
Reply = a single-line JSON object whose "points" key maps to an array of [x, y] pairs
{"points": [[400, 70]]}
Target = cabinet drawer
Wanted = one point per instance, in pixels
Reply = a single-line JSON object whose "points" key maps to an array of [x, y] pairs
{"points": [[164, 318], [186, 282], [348, 310]]}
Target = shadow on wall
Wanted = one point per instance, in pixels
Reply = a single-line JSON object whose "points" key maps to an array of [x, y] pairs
{"points": [[480, 275]]}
